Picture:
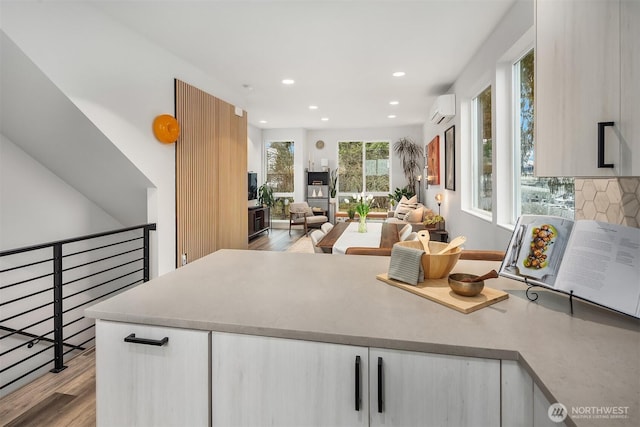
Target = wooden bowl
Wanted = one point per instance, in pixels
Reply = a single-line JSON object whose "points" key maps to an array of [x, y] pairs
{"points": [[467, 289], [435, 266]]}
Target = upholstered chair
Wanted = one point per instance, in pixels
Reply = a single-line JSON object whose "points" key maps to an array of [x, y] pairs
{"points": [[300, 213], [316, 236], [326, 227], [404, 233]]}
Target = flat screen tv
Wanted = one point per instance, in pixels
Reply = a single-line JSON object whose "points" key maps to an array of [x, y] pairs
{"points": [[253, 185]]}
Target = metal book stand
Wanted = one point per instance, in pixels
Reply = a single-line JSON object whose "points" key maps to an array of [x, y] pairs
{"points": [[532, 296]]}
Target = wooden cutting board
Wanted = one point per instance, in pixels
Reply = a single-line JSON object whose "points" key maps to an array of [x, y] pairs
{"points": [[438, 290]]}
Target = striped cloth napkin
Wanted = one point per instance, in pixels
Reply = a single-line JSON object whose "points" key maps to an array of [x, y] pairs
{"points": [[406, 265]]}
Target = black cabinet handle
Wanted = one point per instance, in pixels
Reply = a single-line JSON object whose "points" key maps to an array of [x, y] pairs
{"points": [[357, 383], [146, 341], [601, 163], [380, 384]]}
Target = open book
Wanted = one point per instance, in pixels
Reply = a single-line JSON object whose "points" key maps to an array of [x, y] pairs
{"points": [[598, 261]]}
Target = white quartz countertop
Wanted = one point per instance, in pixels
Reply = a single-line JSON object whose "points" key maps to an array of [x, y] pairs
{"points": [[590, 358]]}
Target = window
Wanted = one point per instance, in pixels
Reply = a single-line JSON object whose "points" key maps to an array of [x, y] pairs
{"points": [[363, 166], [279, 167], [540, 196], [482, 151]]}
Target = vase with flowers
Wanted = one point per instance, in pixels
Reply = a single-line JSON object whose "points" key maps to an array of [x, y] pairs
{"points": [[363, 204]]}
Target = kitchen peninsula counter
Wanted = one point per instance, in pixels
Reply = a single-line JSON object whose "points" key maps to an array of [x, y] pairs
{"points": [[588, 359]]}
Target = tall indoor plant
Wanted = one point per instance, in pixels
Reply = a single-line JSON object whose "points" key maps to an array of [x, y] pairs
{"points": [[410, 154]]}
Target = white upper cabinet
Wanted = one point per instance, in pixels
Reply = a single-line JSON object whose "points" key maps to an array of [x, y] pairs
{"points": [[586, 54], [630, 85]]}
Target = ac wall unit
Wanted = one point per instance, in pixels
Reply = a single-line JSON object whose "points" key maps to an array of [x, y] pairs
{"points": [[444, 109]]}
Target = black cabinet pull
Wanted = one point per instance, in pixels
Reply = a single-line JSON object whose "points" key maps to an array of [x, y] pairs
{"points": [[601, 163], [146, 341], [380, 384], [357, 383]]}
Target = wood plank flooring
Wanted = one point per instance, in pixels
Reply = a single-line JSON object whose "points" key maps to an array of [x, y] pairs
{"points": [[69, 397], [64, 399], [277, 240]]}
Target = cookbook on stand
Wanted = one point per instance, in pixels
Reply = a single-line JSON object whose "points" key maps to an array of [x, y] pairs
{"points": [[595, 261]]}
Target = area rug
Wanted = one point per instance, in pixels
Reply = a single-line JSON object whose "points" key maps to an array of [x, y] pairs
{"points": [[302, 245]]}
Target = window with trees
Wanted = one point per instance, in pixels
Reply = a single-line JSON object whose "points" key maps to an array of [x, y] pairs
{"points": [[363, 166], [540, 196], [482, 151], [279, 175]]}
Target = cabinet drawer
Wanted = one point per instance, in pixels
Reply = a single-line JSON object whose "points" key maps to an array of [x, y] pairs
{"points": [[159, 378]]}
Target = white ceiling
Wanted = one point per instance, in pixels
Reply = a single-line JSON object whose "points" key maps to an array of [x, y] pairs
{"points": [[341, 54]]}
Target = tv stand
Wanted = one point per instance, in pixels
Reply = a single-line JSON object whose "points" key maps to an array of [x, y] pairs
{"points": [[259, 220]]}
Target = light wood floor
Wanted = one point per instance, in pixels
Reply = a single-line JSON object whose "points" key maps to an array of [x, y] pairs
{"points": [[276, 240], [64, 399], [69, 397]]}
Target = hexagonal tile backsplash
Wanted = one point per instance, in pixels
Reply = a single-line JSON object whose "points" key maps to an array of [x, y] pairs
{"points": [[615, 200]]}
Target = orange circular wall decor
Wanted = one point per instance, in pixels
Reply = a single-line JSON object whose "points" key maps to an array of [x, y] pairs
{"points": [[166, 128]]}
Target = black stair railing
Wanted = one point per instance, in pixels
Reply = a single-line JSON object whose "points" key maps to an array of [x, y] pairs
{"points": [[44, 289]]}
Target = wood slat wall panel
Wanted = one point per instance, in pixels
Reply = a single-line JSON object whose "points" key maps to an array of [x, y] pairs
{"points": [[211, 178]]}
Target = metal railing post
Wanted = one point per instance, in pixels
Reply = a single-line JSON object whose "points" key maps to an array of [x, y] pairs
{"points": [[58, 335], [145, 273]]}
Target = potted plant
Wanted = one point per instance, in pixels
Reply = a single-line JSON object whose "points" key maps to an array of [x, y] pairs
{"points": [[265, 195], [410, 154], [351, 211], [399, 192], [434, 222], [333, 185]]}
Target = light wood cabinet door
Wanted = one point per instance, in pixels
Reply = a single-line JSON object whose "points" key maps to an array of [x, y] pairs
{"points": [[630, 86], [541, 404], [422, 389], [577, 86], [279, 382], [138, 384], [517, 395]]}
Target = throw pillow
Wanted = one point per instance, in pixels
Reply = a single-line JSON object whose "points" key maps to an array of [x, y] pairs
{"points": [[405, 206], [414, 215]]}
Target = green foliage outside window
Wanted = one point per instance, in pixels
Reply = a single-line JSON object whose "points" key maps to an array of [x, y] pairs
{"points": [[363, 167], [279, 157], [484, 149], [538, 196]]}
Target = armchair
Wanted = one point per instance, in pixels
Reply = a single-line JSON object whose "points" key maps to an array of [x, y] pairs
{"points": [[300, 213]]}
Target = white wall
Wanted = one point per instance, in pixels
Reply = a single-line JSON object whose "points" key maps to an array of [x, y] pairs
{"points": [[38, 207], [254, 152], [120, 81], [478, 73]]}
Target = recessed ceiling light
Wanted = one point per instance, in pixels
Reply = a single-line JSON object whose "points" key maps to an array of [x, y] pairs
{"points": [[325, 119], [394, 103], [391, 116], [398, 74], [263, 121], [313, 107], [288, 81]]}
